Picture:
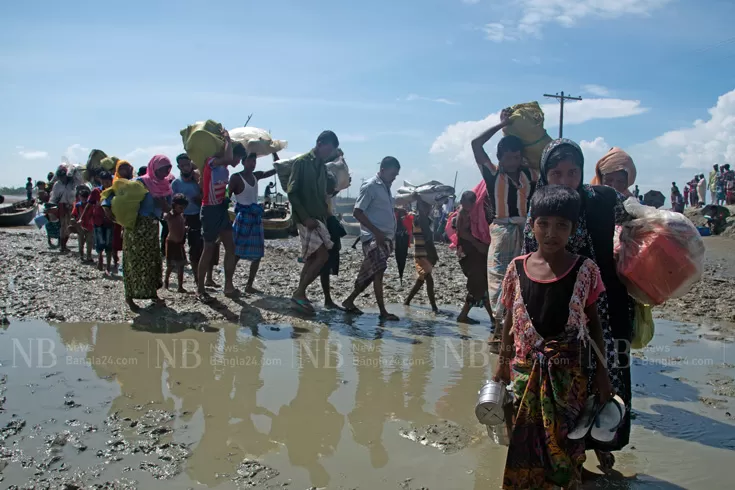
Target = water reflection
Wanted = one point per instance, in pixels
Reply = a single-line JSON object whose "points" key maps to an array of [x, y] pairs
{"points": [[310, 427], [281, 394]]}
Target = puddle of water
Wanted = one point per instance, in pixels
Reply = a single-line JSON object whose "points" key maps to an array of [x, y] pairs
{"points": [[326, 406]]}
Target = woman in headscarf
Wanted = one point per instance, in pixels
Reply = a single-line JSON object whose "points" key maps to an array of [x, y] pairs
{"points": [[617, 170], [562, 163], [142, 262], [64, 196]]}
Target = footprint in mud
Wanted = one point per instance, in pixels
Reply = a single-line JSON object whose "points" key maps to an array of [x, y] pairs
{"points": [[447, 437]]}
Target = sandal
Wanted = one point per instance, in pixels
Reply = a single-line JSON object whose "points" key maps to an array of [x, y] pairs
{"points": [[302, 305], [351, 309]]}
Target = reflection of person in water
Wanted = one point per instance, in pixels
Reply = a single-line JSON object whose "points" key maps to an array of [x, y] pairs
{"points": [[419, 371], [128, 356], [376, 399], [310, 427], [226, 390], [468, 374]]}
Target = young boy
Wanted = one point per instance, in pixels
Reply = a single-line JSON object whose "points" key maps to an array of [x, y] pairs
{"points": [[424, 253], [83, 221], [175, 254], [29, 189], [103, 226]]}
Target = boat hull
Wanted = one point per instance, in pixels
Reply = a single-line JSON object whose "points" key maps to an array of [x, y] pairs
{"points": [[20, 218]]}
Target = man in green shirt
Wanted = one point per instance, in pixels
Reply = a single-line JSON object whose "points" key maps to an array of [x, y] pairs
{"points": [[307, 193]]}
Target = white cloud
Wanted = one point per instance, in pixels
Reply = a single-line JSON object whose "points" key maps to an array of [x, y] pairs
{"points": [[454, 143], [597, 90], [415, 97], [593, 150], [533, 15], [702, 144], [77, 154], [32, 154], [497, 32]]}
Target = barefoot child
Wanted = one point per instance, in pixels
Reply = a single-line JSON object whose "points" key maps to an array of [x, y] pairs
{"points": [[103, 226], [175, 254], [473, 260], [83, 222], [53, 227], [424, 253], [550, 302]]}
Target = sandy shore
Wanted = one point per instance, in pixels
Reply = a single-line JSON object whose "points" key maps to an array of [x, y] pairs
{"points": [[36, 282]]}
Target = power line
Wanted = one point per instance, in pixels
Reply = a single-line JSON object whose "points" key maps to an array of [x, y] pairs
{"points": [[561, 98]]}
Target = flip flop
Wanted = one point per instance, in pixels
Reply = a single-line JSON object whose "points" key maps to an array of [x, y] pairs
{"points": [[584, 424], [608, 420], [303, 305]]}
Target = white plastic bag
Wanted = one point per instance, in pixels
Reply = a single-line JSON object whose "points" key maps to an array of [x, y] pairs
{"points": [[660, 254], [433, 192], [341, 173], [258, 141]]}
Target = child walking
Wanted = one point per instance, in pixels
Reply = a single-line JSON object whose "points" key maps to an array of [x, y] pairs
{"points": [[103, 226], [175, 253], [424, 253], [84, 223], [549, 297], [473, 260]]}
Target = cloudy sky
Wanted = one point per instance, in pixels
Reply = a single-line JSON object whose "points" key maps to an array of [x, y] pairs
{"points": [[416, 80]]}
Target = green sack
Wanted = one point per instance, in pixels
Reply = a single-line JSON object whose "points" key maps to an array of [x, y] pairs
{"points": [[643, 328], [203, 140]]}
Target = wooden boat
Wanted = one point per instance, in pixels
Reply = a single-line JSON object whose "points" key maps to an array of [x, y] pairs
{"points": [[277, 222], [18, 214]]}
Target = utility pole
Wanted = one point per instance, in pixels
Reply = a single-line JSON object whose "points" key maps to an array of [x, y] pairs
{"points": [[561, 97]]}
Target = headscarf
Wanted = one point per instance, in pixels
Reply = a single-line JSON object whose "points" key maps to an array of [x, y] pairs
{"points": [[119, 164], [554, 145], [614, 161], [478, 220], [158, 187]]}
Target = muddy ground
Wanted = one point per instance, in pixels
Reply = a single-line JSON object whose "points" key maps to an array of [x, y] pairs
{"points": [[36, 282]]}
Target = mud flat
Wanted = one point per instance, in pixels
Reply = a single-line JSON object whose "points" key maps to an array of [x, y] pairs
{"points": [[355, 405], [36, 282]]}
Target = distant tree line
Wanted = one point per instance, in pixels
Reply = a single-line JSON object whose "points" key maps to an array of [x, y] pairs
{"points": [[12, 191]]}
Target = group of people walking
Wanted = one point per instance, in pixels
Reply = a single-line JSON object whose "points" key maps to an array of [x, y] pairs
{"points": [[536, 246], [720, 183]]}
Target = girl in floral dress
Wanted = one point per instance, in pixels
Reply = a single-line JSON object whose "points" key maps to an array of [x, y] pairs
{"points": [[550, 299]]}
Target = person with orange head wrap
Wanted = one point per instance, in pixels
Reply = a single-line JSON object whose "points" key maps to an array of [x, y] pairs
{"points": [[617, 170], [123, 170]]}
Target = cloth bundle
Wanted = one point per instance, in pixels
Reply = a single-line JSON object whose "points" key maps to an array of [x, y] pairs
{"points": [[336, 166], [527, 123], [203, 140], [258, 141], [126, 200]]}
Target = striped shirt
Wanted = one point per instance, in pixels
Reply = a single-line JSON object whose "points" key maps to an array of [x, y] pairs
{"points": [[506, 198], [423, 244], [214, 183]]}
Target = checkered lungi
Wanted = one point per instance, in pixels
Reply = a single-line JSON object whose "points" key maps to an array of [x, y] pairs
{"points": [[247, 232], [375, 261]]}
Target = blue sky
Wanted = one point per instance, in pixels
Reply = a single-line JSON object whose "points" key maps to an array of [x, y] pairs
{"points": [[416, 80]]}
